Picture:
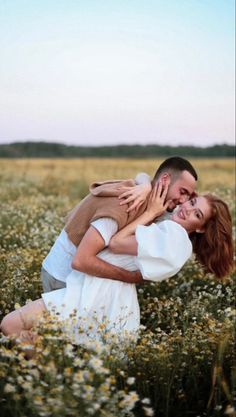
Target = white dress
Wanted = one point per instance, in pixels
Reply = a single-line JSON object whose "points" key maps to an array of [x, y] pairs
{"points": [[89, 302]]}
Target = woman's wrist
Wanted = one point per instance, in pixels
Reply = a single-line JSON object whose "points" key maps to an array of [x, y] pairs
{"points": [[150, 214]]}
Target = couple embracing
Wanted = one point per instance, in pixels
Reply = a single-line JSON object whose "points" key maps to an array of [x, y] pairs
{"points": [[115, 238]]}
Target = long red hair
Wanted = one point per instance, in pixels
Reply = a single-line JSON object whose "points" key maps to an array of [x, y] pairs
{"points": [[214, 248]]}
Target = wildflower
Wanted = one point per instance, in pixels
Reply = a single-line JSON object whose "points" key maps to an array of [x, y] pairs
{"points": [[88, 392], [19, 379], [96, 406], [68, 371], [38, 400], [102, 326], [148, 411], [230, 411], [146, 401], [79, 376], [79, 362], [105, 387], [27, 386], [129, 400], [130, 380], [9, 388], [68, 350], [95, 363]]}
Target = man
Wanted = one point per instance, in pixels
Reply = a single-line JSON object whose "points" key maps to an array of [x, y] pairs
{"points": [[102, 203]]}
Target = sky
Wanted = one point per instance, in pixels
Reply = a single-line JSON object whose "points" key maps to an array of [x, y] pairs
{"points": [[104, 72]]}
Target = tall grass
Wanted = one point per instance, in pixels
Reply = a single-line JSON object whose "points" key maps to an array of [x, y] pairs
{"points": [[183, 363]]}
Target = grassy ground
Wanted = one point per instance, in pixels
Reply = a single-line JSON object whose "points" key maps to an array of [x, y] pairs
{"points": [[183, 363]]}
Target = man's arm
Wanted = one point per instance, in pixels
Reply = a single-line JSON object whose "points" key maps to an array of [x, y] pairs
{"points": [[86, 260]]}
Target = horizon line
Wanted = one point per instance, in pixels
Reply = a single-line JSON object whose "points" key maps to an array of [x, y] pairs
{"points": [[46, 141]]}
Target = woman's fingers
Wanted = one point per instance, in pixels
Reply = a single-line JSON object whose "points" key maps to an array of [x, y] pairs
{"points": [[126, 200], [159, 189], [165, 207], [126, 191], [156, 191], [164, 191], [136, 204]]}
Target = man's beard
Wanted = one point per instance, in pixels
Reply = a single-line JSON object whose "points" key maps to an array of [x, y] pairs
{"points": [[170, 209]]}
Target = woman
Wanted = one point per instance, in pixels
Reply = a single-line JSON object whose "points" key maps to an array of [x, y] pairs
{"points": [[202, 225]]}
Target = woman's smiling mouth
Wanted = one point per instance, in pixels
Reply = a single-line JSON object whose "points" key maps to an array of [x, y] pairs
{"points": [[181, 214]]}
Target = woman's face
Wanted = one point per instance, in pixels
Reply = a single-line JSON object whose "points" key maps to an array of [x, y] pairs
{"points": [[193, 214]]}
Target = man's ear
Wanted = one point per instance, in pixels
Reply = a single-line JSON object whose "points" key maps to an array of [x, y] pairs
{"points": [[165, 177]]}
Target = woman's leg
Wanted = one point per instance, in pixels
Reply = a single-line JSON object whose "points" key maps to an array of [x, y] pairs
{"points": [[22, 319]]}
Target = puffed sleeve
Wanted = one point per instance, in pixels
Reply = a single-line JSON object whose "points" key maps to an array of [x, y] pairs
{"points": [[163, 249]]}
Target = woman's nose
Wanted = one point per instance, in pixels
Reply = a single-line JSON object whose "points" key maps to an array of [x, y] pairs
{"points": [[183, 199], [189, 208]]}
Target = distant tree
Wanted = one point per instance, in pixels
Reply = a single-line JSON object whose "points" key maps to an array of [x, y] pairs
{"points": [[56, 150]]}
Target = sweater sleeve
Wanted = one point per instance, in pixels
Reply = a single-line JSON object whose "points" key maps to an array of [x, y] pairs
{"points": [[163, 249], [109, 188]]}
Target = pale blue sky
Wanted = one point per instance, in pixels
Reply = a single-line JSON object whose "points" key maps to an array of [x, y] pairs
{"points": [[105, 72]]}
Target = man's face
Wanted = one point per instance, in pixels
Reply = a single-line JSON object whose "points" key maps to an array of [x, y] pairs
{"points": [[180, 189]]}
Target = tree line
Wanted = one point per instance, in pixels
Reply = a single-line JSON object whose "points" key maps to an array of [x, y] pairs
{"points": [[57, 150]]}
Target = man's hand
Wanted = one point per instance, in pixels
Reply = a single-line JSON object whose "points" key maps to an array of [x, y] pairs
{"points": [[137, 278], [138, 194]]}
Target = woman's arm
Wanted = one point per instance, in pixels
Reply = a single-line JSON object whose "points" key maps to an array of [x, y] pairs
{"points": [[124, 241]]}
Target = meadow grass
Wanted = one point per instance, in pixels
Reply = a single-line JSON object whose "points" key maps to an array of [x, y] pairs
{"points": [[183, 363]]}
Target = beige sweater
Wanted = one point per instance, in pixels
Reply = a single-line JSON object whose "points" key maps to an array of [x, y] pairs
{"points": [[101, 202]]}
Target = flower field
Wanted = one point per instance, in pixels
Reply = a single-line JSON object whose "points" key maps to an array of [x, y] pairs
{"points": [[183, 363]]}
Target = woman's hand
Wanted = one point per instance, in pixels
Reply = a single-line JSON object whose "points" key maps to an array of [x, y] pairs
{"points": [[124, 240], [138, 194], [157, 203]]}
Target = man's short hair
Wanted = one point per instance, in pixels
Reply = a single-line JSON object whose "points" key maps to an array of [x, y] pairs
{"points": [[176, 165]]}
